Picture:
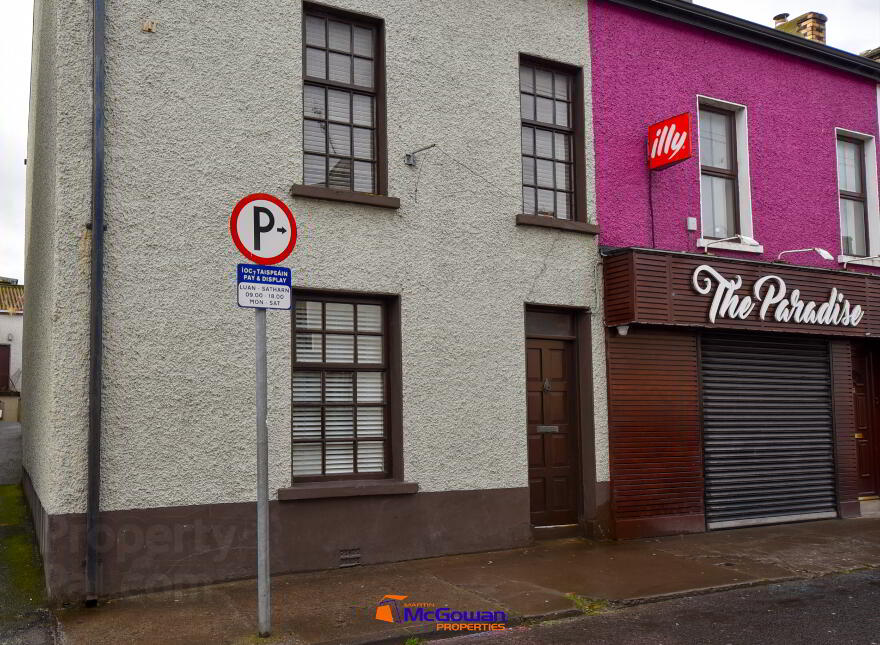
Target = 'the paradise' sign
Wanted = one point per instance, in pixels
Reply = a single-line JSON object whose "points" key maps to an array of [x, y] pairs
{"points": [[776, 303]]}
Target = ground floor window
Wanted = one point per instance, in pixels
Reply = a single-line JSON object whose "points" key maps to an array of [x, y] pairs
{"points": [[340, 388]]}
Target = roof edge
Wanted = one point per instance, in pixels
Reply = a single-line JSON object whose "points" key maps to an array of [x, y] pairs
{"points": [[753, 32]]}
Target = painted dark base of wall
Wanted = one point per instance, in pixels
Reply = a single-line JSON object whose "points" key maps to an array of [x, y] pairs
{"points": [[175, 547], [628, 529]]}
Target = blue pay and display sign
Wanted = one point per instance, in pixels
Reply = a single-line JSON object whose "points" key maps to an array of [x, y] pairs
{"points": [[263, 287]]}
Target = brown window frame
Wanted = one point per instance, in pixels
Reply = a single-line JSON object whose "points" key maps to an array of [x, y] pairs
{"points": [[714, 171], [857, 197], [391, 366], [576, 131], [378, 92]]}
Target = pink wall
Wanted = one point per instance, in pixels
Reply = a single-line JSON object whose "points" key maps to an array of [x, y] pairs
{"points": [[647, 68]]}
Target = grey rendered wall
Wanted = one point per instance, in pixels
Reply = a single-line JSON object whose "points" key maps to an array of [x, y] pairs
{"points": [[208, 109]]}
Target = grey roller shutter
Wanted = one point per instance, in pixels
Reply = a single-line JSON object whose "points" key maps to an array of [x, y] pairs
{"points": [[767, 429]]}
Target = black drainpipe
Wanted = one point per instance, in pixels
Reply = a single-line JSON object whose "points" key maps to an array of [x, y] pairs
{"points": [[96, 349]]}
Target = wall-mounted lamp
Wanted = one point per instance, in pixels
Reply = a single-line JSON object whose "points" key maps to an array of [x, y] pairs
{"points": [[10, 337], [870, 257], [622, 330], [825, 255], [410, 158], [742, 239]]}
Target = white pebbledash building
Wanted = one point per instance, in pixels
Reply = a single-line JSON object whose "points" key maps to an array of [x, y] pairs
{"points": [[439, 387]]}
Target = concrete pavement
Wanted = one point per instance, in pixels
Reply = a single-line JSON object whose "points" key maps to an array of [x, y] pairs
{"points": [[832, 610], [551, 579]]}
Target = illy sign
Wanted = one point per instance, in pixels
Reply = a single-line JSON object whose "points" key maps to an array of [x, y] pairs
{"points": [[669, 142], [776, 302]]}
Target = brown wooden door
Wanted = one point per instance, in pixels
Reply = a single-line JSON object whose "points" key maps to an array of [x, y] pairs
{"points": [[4, 367], [866, 399], [552, 432]]}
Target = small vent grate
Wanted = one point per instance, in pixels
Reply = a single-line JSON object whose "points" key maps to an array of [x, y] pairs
{"points": [[349, 557]]}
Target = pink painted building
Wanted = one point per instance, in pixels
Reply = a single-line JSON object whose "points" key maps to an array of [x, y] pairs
{"points": [[740, 388]]}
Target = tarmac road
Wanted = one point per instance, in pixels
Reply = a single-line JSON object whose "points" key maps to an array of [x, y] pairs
{"points": [[841, 609]]}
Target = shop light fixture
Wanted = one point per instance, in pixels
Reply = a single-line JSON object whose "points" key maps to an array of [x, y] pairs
{"points": [[742, 239], [822, 252]]}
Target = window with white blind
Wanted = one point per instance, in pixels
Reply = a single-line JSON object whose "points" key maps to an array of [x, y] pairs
{"points": [[340, 388]]}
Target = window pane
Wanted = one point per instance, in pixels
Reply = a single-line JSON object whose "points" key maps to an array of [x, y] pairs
{"points": [[545, 202], [339, 106], [563, 176], [363, 41], [563, 205], [528, 169], [529, 201], [369, 349], [339, 423], [370, 422], [315, 31], [543, 82], [849, 166], [527, 106], [339, 387], [340, 316], [715, 143], [363, 143], [313, 101], [306, 387], [306, 459], [363, 177], [316, 63], [853, 227], [340, 139], [526, 79], [363, 72], [719, 206], [544, 110], [543, 143], [544, 172], [528, 141], [340, 68], [306, 423], [339, 176], [340, 349], [363, 110], [371, 456], [562, 146], [561, 87], [562, 113], [369, 318], [314, 169], [314, 139], [340, 458], [308, 314], [340, 36], [370, 387], [308, 348]]}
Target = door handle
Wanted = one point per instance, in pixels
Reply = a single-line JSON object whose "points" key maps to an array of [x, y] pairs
{"points": [[547, 385], [859, 435]]}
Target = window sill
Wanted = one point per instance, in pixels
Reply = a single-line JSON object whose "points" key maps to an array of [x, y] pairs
{"points": [[552, 222], [857, 259], [346, 488], [349, 196], [731, 246]]}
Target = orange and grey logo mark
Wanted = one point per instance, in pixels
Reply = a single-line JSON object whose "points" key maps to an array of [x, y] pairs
{"points": [[389, 609]]}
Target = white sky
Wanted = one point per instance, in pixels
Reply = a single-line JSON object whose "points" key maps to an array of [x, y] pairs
{"points": [[853, 25]]}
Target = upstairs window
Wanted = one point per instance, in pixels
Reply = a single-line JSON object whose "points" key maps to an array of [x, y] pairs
{"points": [[552, 140], [853, 195], [343, 103], [719, 180]]}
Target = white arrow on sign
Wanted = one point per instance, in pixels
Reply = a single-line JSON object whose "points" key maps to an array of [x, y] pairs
{"points": [[263, 228]]}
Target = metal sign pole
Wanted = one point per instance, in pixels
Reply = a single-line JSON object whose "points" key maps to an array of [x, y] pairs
{"points": [[262, 479]]}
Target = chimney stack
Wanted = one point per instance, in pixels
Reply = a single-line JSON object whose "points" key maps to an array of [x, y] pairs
{"points": [[810, 25]]}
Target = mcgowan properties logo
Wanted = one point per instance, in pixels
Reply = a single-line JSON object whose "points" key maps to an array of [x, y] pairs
{"points": [[392, 609]]}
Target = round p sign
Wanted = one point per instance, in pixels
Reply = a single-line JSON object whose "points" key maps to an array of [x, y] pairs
{"points": [[263, 228]]}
